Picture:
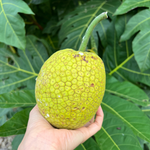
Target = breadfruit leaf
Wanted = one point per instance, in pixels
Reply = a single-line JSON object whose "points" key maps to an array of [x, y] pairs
{"points": [[116, 135], [19, 71], [129, 113], [128, 5], [3, 112], [88, 145], [118, 57], [75, 24], [141, 45], [16, 141], [21, 98], [146, 110], [12, 30], [126, 90], [17, 124]]}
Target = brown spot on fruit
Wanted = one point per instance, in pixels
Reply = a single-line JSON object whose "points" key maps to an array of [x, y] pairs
{"points": [[95, 58], [75, 108], [75, 56], [83, 108], [92, 85]]}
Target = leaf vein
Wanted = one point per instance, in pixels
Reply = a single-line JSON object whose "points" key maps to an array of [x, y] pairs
{"points": [[125, 121], [36, 50], [9, 23], [108, 136], [17, 82]]}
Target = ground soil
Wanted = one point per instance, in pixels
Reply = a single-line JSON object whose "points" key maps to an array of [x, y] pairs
{"points": [[5, 142]]}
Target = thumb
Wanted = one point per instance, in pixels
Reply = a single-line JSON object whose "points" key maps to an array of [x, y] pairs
{"points": [[36, 119], [82, 134], [87, 132]]}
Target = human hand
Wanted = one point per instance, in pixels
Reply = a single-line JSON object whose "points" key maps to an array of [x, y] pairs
{"points": [[40, 135]]}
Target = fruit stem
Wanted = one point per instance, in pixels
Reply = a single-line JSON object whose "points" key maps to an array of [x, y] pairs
{"points": [[93, 44], [89, 30]]}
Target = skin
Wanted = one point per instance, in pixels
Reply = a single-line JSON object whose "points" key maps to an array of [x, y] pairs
{"points": [[40, 135]]}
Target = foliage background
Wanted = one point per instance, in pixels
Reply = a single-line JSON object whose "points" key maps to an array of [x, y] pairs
{"points": [[32, 30]]}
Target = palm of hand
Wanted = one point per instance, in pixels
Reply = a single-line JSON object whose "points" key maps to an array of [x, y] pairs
{"points": [[42, 136]]}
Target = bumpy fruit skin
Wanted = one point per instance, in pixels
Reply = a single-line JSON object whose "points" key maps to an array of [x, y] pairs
{"points": [[70, 88]]}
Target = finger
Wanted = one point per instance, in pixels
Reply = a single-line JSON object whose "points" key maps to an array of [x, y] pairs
{"points": [[87, 132], [96, 126], [90, 122], [35, 117], [35, 113]]}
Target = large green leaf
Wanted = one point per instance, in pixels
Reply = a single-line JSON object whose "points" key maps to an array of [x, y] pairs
{"points": [[129, 114], [3, 119], [17, 124], [38, 51], [3, 112], [126, 90], [116, 135], [21, 98], [12, 30], [128, 5], [88, 145], [19, 71], [146, 110], [141, 45], [16, 141], [76, 23], [118, 57]]}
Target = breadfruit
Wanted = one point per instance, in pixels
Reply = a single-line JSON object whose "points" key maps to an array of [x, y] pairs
{"points": [[71, 84], [70, 88]]}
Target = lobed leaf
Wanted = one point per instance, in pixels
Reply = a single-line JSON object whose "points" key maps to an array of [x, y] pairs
{"points": [[127, 91], [11, 24], [21, 71], [116, 135], [17, 124], [128, 5], [129, 114], [88, 145], [141, 45], [76, 23], [21, 98], [118, 57]]}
